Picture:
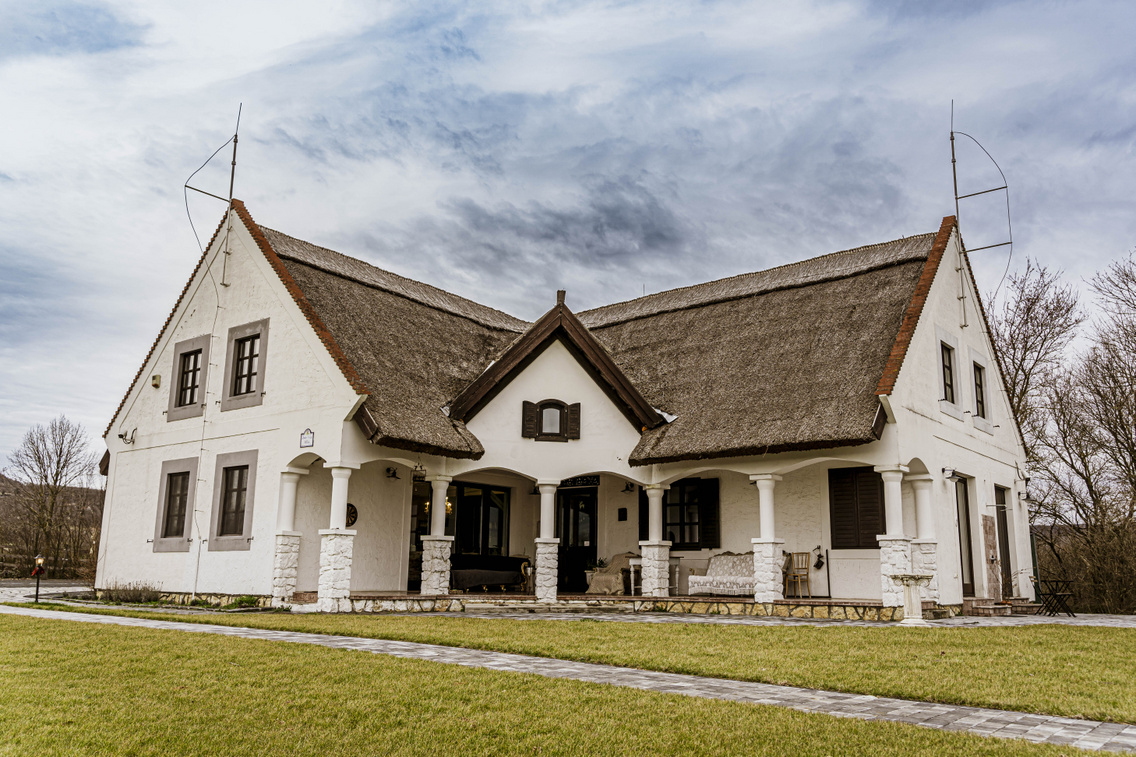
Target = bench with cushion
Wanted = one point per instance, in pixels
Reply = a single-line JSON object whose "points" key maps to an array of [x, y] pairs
{"points": [[487, 572], [728, 573]]}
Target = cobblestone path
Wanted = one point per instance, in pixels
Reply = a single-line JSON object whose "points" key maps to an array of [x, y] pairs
{"points": [[1087, 734]]}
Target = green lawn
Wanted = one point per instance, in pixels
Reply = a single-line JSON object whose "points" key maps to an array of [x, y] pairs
{"points": [[1059, 670], [75, 688]]}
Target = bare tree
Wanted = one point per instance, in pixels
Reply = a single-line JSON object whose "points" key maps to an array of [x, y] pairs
{"points": [[1032, 333], [54, 509]]}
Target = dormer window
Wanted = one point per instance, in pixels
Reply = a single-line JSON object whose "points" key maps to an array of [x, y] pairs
{"points": [[550, 421]]}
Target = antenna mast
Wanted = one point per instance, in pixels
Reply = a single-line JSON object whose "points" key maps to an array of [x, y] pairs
{"points": [[232, 177]]}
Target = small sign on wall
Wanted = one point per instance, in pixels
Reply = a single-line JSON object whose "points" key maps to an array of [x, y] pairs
{"points": [[307, 438]]}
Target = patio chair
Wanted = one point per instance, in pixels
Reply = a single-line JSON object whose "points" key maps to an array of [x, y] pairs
{"points": [[797, 573]]}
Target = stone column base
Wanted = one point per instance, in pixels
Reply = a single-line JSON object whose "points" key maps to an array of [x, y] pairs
{"points": [[925, 559], [895, 558], [547, 569], [285, 566], [336, 547], [655, 571], [436, 565], [768, 579]]}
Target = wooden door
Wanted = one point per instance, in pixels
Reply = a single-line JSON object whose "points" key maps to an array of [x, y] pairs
{"points": [[1003, 542], [966, 551], [576, 528]]}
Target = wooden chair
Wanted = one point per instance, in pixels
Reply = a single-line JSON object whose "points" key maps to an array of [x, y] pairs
{"points": [[797, 573]]}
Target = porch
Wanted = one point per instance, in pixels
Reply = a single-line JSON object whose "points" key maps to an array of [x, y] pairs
{"points": [[562, 528]]}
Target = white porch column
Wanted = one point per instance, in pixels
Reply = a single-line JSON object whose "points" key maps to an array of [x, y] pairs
{"points": [[436, 547], [895, 547], [655, 552], [768, 581], [286, 561], [547, 546], [336, 546], [924, 549]]}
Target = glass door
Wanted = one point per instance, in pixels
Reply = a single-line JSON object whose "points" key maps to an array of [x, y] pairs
{"points": [[1003, 542], [576, 528], [966, 554]]}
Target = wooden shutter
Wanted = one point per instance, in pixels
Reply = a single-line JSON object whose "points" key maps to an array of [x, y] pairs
{"points": [[842, 508], [530, 420], [709, 526], [573, 424], [870, 507], [644, 514]]}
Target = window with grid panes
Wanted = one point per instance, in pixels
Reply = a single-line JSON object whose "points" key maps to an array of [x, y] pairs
{"points": [[189, 379], [234, 489], [245, 352], [177, 497], [948, 372]]}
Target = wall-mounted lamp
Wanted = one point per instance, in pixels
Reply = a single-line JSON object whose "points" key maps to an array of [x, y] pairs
{"points": [[419, 472], [950, 475], [392, 473], [128, 439], [628, 488]]}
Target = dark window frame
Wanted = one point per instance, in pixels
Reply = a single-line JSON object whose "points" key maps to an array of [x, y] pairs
{"points": [[979, 390], [175, 542], [462, 500], [706, 496], [252, 394], [865, 495], [947, 354], [219, 541], [561, 434], [246, 352], [568, 420], [234, 494], [194, 409], [189, 379]]}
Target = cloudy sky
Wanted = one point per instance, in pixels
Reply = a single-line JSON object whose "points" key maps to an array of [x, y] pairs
{"points": [[503, 151]]}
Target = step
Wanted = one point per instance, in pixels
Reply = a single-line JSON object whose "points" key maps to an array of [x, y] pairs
{"points": [[474, 608], [990, 611], [1025, 608]]}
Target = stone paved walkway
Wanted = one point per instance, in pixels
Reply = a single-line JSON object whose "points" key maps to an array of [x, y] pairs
{"points": [[1087, 734]]}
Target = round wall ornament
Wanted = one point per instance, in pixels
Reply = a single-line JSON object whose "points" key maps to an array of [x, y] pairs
{"points": [[352, 515]]}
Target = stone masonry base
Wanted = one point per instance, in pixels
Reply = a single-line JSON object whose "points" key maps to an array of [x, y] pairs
{"points": [[925, 559], [436, 565], [895, 558], [284, 567], [656, 568], [547, 566], [768, 581], [336, 547]]}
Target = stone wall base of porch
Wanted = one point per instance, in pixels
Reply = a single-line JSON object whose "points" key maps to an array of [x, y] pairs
{"points": [[336, 548], [768, 580], [925, 559], [655, 569], [285, 566], [436, 565], [895, 558], [547, 575]]}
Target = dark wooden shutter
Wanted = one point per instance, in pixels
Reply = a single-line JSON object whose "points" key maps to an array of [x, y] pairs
{"points": [[530, 420], [573, 431], [708, 514], [644, 514], [842, 508], [870, 507]]}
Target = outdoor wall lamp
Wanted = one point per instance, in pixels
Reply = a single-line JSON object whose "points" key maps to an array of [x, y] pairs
{"points": [[950, 475], [392, 473]]}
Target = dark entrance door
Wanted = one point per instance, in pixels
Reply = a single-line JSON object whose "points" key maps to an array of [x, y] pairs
{"points": [[966, 553], [1003, 542], [576, 528]]}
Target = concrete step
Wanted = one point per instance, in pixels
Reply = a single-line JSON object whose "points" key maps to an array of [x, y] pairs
{"points": [[475, 608], [1025, 608], [989, 611]]}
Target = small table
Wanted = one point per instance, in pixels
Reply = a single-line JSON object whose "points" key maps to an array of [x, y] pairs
{"points": [[636, 568]]}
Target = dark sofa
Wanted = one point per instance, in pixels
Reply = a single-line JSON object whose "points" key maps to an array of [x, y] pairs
{"points": [[486, 571]]}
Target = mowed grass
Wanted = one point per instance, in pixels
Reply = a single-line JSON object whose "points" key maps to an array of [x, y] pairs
{"points": [[77, 688], [1058, 670]]}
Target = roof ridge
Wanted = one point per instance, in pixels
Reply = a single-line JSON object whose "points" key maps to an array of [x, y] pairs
{"points": [[724, 297], [520, 324]]}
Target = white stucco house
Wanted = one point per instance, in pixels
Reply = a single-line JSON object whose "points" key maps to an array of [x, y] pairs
{"points": [[313, 429]]}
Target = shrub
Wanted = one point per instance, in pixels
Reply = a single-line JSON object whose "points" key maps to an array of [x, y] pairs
{"points": [[131, 593]]}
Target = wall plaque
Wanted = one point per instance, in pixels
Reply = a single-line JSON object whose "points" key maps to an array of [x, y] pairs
{"points": [[307, 438]]}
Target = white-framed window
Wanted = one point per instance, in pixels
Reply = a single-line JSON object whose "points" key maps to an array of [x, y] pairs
{"points": [[234, 493], [175, 505], [245, 361], [187, 385]]}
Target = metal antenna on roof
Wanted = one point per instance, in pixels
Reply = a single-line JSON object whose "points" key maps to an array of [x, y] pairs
{"points": [[232, 177], [1004, 188]]}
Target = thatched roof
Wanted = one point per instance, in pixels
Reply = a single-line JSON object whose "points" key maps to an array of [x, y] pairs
{"points": [[788, 358]]}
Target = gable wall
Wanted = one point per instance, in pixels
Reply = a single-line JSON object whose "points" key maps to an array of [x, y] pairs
{"points": [[302, 389], [942, 435]]}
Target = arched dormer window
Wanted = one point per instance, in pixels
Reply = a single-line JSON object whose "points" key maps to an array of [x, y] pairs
{"points": [[550, 421]]}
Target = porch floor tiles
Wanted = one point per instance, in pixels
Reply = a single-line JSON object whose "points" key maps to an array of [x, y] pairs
{"points": [[1086, 734]]}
